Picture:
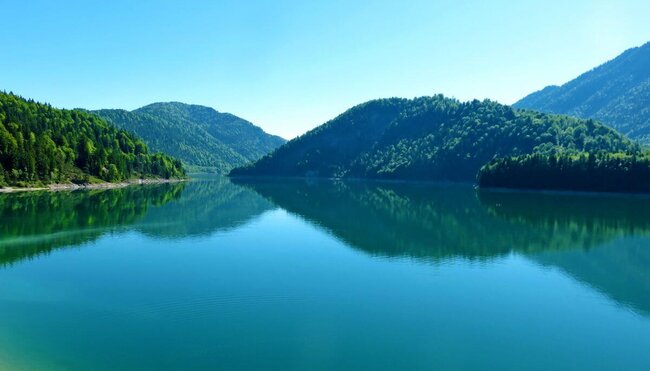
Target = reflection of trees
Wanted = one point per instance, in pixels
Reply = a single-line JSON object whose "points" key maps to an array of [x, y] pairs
{"points": [[419, 221], [38, 222], [620, 271], [207, 206], [388, 219], [433, 222], [586, 220]]}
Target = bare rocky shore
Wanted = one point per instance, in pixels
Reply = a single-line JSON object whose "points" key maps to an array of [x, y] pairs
{"points": [[73, 187]]}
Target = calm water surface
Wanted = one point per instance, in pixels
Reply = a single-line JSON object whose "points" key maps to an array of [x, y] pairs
{"points": [[295, 275]]}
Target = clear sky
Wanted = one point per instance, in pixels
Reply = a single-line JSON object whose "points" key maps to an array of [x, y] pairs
{"points": [[289, 66]]}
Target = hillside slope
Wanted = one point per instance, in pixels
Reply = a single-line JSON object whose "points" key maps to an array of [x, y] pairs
{"points": [[429, 138], [616, 93], [40, 144], [198, 135]]}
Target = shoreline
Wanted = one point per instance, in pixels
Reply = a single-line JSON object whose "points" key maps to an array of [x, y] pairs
{"points": [[74, 187]]}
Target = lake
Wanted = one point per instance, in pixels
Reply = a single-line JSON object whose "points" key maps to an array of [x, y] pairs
{"points": [[321, 275]]}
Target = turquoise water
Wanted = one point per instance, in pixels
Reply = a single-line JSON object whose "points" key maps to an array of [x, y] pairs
{"points": [[295, 275]]}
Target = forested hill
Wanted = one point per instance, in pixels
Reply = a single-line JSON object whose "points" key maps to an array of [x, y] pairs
{"points": [[601, 172], [616, 93], [200, 136], [40, 144], [430, 138]]}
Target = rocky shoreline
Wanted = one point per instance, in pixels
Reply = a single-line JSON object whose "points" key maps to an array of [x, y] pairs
{"points": [[74, 187]]}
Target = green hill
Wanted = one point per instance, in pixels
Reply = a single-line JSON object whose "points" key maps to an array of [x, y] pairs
{"points": [[40, 145], [616, 93], [199, 136], [430, 138], [601, 172]]}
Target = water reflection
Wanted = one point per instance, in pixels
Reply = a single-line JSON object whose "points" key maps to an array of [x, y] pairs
{"points": [[433, 222], [37, 222], [608, 234], [208, 205], [599, 240], [34, 223], [596, 239], [586, 219]]}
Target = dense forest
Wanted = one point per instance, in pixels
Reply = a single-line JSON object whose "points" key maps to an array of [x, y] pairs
{"points": [[602, 172], [40, 144], [430, 138], [204, 139], [616, 93]]}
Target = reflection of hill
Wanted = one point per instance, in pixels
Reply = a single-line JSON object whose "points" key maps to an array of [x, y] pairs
{"points": [[38, 222], [620, 270], [392, 219], [589, 219], [207, 205], [431, 223], [436, 221]]}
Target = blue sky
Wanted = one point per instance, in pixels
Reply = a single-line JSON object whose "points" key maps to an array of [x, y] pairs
{"points": [[289, 66]]}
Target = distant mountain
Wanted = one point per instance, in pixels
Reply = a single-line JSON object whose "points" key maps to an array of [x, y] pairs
{"points": [[429, 138], [200, 136], [40, 144], [616, 93]]}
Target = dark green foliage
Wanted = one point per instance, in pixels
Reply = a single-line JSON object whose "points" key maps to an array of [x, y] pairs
{"points": [[603, 172], [40, 144], [430, 138], [616, 93], [200, 136]]}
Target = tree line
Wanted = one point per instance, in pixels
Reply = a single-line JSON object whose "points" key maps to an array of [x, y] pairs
{"points": [[599, 172], [430, 138], [40, 144]]}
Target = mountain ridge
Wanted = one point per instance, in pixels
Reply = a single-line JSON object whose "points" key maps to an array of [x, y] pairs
{"points": [[40, 144], [429, 138], [199, 135], [616, 93]]}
